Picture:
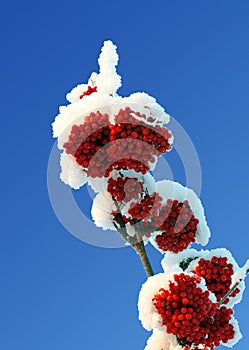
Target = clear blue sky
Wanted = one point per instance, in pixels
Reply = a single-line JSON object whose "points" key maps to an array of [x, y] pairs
{"points": [[58, 293]]}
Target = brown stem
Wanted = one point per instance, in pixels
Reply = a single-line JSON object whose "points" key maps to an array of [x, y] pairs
{"points": [[140, 249], [136, 242]]}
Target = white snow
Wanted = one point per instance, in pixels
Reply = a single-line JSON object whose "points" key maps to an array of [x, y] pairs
{"points": [[108, 81], [237, 335], [101, 212], [72, 174], [161, 340]]}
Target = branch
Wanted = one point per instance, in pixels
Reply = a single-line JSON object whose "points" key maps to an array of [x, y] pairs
{"points": [[140, 249], [136, 242]]}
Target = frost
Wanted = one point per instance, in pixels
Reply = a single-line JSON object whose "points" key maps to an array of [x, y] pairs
{"points": [[108, 81], [102, 208], [237, 334], [161, 340], [71, 173]]}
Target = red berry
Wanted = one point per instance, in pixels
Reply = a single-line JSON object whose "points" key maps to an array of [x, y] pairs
{"points": [[217, 273], [196, 320]]}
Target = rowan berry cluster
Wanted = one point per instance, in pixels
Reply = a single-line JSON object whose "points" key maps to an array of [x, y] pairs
{"points": [[179, 228], [174, 221], [188, 312], [141, 210], [124, 188], [134, 127], [136, 143], [217, 273]]}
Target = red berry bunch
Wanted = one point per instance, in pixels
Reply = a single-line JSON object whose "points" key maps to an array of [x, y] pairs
{"points": [[124, 188], [217, 273], [175, 220], [157, 136], [89, 91], [188, 313], [137, 142], [86, 139], [179, 228], [138, 211], [146, 207]]}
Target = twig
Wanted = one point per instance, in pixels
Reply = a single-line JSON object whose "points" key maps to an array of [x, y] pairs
{"points": [[140, 249], [136, 242], [232, 289]]}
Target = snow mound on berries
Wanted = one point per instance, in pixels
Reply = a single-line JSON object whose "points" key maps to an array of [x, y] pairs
{"points": [[101, 212], [161, 340], [75, 113], [108, 81], [173, 190], [171, 260], [75, 94], [149, 107], [71, 173], [148, 314]]}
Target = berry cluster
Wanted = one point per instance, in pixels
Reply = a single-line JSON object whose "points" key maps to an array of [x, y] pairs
{"points": [[217, 273], [179, 228], [188, 313], [146, 207], [124, 188], [175, 220], [138, 143], [86, 139], [157, 136], [89, 91]]}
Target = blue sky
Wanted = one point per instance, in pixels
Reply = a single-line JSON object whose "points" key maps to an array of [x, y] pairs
{"points": [[56, 291]]}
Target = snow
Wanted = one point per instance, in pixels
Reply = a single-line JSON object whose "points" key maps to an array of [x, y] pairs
{"points": [[76, 92], [171, 260], [101, 212], [108, 81], [75, 113], [237, 335], [72, 174], [146, 104], [161, 340]]}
